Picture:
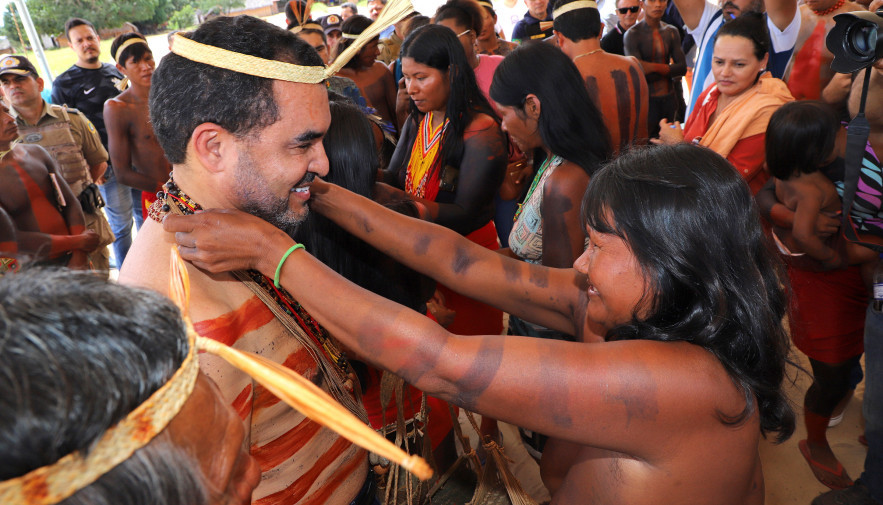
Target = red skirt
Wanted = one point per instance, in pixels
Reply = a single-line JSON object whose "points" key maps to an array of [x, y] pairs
{"points": [[827, 313], [473, 317]]}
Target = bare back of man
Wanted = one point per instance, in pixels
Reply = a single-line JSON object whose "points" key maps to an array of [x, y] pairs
{"points": [[810, 68], [33, 195], [619, 90]]}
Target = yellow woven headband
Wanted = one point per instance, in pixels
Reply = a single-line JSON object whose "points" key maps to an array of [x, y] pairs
{"points": [[394, 11], [487, 4], [572, 6], [53, 483], [124, 45]]}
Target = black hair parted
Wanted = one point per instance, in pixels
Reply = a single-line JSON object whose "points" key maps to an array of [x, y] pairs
{"points": [[136, 51], [353, 25], [570, 124], [800, 138], [437, 46], [185, 94], [578, 24], [713, 279], [466, 13], [752, 26]]}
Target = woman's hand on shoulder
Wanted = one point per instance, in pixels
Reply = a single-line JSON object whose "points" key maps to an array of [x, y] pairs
{"points": [[225, 240]]}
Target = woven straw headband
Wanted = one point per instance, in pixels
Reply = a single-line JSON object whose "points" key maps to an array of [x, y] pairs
{"points": [[124, 45], [572, 6], [53, 483], [394, 11], [309, 26], [487, 4]]}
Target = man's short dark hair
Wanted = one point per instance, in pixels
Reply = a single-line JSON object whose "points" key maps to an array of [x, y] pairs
{"points": [[185, 94], [578, 24], [465, 13], [77, 355], [75, 22]]}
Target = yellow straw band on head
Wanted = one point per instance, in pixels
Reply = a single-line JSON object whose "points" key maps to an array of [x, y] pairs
{"points": [[351, 36], [309, 26], [572, 6], [487, 4], [53, 483], [124, 45], [245, 63]]}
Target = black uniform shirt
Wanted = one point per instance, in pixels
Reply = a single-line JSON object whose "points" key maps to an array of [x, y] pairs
{"points": [[86, 89]]}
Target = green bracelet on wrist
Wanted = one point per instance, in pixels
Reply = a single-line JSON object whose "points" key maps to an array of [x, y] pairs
{"points": [[290, 250]]}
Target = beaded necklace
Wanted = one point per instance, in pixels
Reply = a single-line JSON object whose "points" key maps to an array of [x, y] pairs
{"points": [[422, 165], [830, 9], [172, 195], [533, 185]]}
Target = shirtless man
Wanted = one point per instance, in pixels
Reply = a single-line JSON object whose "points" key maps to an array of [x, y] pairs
{"points": [[373, 77], [69, 137], [259, 154], [616, 83], [810, 68], [48, 221], [134, 152], [657, 46]]}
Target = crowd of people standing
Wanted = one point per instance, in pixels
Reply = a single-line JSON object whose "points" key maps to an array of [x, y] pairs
{"points": [[657, 203]]}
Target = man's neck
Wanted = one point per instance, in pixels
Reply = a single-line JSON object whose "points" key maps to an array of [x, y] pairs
{"points": [[541, 17], [652, 23], [189, 181], [90, 65], [32, 112], [582, 47], [139, 93]]}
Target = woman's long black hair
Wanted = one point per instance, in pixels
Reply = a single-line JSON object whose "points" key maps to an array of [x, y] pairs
{"points": [[569, 123], [437, 46], [693, 226]]}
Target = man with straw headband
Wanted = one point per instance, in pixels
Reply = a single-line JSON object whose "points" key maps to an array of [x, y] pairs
{"points": [[134, 152], [615, 83], [244, 131]]}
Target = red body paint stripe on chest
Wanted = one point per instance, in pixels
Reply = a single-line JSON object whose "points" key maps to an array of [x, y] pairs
{"points": [[230, 327]]}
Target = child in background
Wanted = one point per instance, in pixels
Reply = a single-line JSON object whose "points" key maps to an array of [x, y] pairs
{"points": [[799, 143]]}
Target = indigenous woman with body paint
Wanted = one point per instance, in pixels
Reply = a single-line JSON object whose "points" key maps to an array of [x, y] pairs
{"points": [[452, 154], [678, 278], [731, 115]]}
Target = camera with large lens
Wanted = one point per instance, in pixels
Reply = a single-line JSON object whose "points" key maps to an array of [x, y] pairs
{"points": [[854, 40]]}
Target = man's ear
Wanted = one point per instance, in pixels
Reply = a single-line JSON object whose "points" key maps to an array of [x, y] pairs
{"points": [[213, 147]]}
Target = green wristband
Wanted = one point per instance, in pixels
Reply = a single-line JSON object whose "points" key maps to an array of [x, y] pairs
{"points": [[290, 250]]}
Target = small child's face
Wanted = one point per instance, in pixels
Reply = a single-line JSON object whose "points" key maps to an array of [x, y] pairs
{"points": [[537, 8]]}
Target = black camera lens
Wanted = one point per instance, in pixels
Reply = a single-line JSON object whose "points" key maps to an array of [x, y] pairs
{"points": [[862, 38]]}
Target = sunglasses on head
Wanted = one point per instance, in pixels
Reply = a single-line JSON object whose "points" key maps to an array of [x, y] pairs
{"points": [[633, 10]]}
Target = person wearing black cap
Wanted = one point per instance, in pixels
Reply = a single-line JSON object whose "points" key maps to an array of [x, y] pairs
{"points": [[331, 25], [69, 137]]}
